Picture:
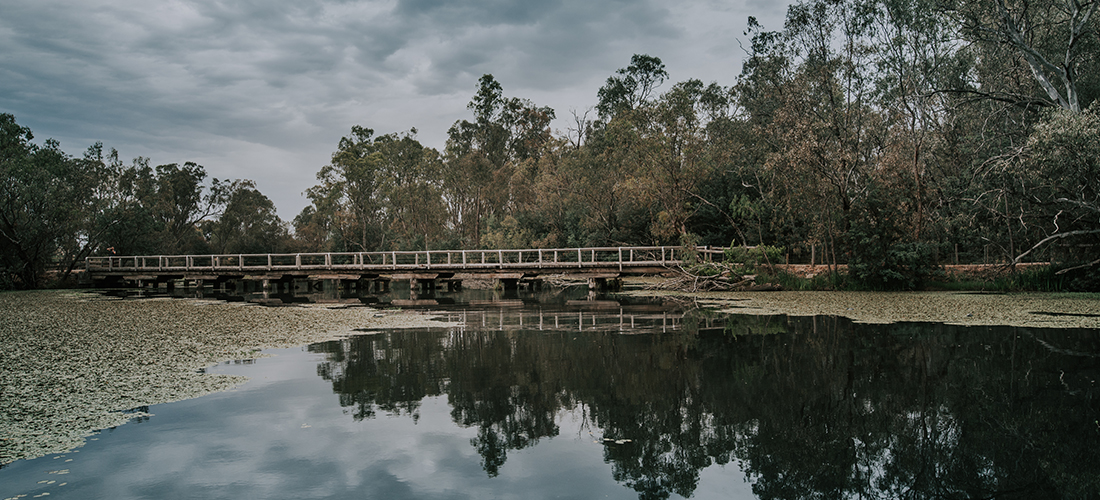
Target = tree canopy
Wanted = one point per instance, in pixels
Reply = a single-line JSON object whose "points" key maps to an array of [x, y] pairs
{"points": [[889, 135]]}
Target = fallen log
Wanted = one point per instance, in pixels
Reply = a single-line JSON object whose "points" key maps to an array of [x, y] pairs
{"points": [[726, 281]]}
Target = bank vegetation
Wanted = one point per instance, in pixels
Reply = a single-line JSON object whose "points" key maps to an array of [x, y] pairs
{"points": [[891, 137]]}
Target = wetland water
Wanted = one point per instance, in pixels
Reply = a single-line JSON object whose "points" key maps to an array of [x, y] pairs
{"points": [[552, 395]]}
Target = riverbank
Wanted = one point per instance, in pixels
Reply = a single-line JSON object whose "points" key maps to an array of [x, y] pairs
{"points": [[72, 362], [1036, 310]]}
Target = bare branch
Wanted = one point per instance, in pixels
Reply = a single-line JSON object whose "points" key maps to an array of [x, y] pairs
{"points": [[1086, 206], [1036, 61], [1051, 238], [1082, 266]]}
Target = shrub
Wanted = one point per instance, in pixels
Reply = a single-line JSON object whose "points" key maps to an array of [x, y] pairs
{"points": [[898, 266], [752, 257]]}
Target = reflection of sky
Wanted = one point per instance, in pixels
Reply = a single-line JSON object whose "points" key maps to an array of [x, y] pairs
{"points": [[284, 435]]}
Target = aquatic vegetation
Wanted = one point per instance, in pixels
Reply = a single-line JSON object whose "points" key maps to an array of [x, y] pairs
{"points": [[72, 363], [1045, 310]]}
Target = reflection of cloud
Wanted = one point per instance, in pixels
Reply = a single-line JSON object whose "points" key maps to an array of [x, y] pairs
{"points": [[250, 443], [250, 88]]}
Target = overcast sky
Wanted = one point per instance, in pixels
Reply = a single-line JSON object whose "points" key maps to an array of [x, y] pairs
{"points": [[264, 89]]}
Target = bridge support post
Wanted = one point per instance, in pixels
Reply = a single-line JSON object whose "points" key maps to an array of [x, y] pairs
{"points": [[597, 284], [605, 284], [422, 285]]}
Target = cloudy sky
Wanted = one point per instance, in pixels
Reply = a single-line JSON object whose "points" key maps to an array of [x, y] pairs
{"points": [[264, 89]]}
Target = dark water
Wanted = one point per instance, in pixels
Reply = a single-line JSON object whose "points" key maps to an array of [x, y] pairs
{"points": [[571, 398]]}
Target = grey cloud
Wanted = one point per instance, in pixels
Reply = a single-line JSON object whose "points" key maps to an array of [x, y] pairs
{"points": [[186, 78], [483, 12]]}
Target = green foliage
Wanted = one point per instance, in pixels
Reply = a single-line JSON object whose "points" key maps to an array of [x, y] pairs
{"points": [[820, 282], [1055, 278], [1055, 182], [892, 266], [875, 133], [706, 269], [56, 209], [631, 86], [689, 249], [1042, 279], [753, 257], [506, 233], [248, 224]]}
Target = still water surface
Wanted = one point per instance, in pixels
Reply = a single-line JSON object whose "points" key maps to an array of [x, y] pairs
{"points": [[555, 396]]}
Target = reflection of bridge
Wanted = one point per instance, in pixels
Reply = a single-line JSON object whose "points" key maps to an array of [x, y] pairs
{"points": [[587, 318], [425, 270]]}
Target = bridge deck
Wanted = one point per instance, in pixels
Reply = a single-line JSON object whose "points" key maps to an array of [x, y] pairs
{"points": [[570, 261]]}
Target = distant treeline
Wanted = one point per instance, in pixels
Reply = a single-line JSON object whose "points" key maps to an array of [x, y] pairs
{"points": [[889, 135]]}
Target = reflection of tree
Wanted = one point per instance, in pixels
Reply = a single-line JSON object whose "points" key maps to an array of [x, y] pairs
{"points": [[497, 386], [917, 412], [392, 373], [809, 407]]}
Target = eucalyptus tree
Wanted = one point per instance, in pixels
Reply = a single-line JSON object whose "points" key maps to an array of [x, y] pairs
{"points": [[381, 192], [677, 131], [1053, 187], [412, 192], [1056, 40], [100, 217], [632, 86], [482, 156], [843, 112], [608, 172], [346, 199], [27, 234], [1022, 59], [54, 209], [312, 230], [823, 119], [178, 201], [248, 224], [918, 52]]}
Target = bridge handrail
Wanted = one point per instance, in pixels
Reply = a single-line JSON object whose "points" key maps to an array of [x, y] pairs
{"points": [[404, 260]]}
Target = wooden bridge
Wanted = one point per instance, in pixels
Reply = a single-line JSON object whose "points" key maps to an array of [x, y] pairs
{"points": [[425, 270]]}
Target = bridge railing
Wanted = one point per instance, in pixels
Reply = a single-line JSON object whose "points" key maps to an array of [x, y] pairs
{"points": [[457, 260]]}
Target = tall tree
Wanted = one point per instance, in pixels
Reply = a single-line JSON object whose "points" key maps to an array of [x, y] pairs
{"points": [[26, 195], [1056, 40], [411, 190], [632, 86], [248, 224], [347, 197], [1054, 184], [483, 155], [177, 200]]}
